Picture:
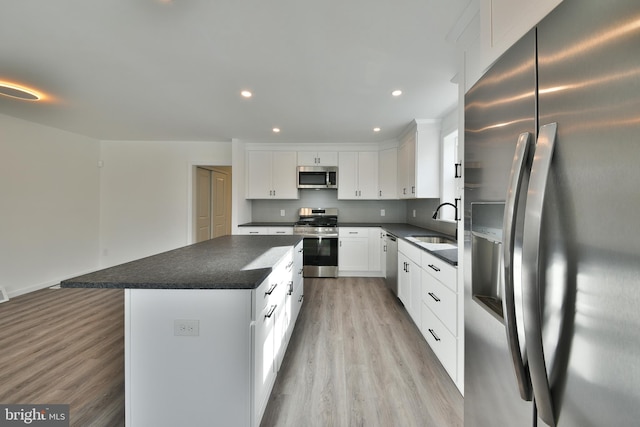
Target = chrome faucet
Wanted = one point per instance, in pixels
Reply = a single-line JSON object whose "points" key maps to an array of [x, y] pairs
{"points": [[435, 213]]}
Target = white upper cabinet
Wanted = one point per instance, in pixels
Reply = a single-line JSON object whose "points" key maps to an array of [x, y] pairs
{"points": [[419, 161], [317, 158], [503, 22], [271, 175], [358, 175], [388, 173]]}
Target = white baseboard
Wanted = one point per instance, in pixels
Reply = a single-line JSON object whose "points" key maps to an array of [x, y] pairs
{"points": [[32, 288]]}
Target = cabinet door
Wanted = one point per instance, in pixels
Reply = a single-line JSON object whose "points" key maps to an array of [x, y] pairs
{"points": [[404, 284], [328, 158], [307, 158], [375, 244], [348, 175], [284, 175], [368, 175], [388, 174], [259, 175], [317, 158], [264, 367], [353, 254], [415, 286], [406, 167]]}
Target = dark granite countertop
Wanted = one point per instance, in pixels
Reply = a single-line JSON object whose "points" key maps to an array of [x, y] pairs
{"points": [[228, 262], [266, 224], [401, 230]]}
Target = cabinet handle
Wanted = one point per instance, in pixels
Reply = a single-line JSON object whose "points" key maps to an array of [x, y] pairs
{"points": [[301, 298], [413, 189], [300, 250], [407, 270], [458, 171], [254, 232], [300, 272], [432, 295], [291, 288], [384, 248], [340, 243], [271, 310], [433, 267], [379, 193], [404, 190], [274, 192], [353, 232], [271, 289], [434, 335]]}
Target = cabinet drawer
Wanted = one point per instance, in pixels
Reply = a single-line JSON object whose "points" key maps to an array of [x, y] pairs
{"points": [[441, 270], [412, 252], [353, 232], [441, 300], [280, 230], [440, 340], [253, 230]]}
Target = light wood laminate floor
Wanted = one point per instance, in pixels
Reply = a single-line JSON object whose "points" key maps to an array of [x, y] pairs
{"points": [[355, 359]]}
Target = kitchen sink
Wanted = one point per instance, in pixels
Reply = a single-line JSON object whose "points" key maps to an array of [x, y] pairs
{"points": [[434, 239]]}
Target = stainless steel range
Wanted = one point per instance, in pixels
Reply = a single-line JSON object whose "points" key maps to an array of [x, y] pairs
{"points": [[319, 226]]}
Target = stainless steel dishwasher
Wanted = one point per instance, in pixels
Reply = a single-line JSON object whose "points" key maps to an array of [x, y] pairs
{"points": [[392, 263]]}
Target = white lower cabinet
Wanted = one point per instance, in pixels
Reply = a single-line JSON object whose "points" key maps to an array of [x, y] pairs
{"points": [[228, 368], [427, 286], [268, 231], [441, 313], [409, 272], [359, 251], [441, 341]]}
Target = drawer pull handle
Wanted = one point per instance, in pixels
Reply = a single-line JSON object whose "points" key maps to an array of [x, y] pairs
{"points": [[435, 298], [353, 232], [291, 288], [301, 298], [433, 267], [271, 289], [271, 310], [434, 334], [254, 232]]}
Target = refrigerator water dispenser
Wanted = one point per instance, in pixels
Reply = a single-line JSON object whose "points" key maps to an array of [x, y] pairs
{"points": [[486, 256]]}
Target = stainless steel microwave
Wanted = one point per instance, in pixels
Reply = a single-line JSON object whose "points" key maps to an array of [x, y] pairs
{"points": [[317, 177]]}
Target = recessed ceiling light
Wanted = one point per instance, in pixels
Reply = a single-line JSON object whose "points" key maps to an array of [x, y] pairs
{"points": [[13, 90], [246, 94], [376, 129], [276, 130], [396, 92]]}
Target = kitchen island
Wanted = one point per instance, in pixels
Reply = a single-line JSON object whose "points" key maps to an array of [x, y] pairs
{"points": [[206, 327]]}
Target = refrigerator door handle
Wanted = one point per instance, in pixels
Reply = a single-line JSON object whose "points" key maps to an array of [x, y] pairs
{"points": [[531, 268], [514, 190]]}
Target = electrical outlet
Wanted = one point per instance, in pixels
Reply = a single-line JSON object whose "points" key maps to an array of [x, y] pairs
{"points": [[281, 212], [186, 328], [382, 212], [414, 213]]}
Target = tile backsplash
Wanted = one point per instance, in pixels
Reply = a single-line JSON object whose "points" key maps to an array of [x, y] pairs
{"points": [[396, 211]]}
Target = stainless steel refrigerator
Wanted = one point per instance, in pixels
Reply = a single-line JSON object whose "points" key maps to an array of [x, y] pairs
{"points": [[552, 234]]}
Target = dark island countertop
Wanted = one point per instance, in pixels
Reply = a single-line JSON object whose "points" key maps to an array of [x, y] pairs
{"points": [[228, 262]]}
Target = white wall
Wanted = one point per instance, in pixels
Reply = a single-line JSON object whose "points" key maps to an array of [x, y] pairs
{"points": [[49, 205], [145, 195]]}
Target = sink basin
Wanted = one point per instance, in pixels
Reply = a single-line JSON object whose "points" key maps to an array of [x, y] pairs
{"points": [[434, 240]]}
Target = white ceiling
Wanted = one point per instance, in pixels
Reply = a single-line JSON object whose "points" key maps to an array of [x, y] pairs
{"points": [[173, 70]]}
